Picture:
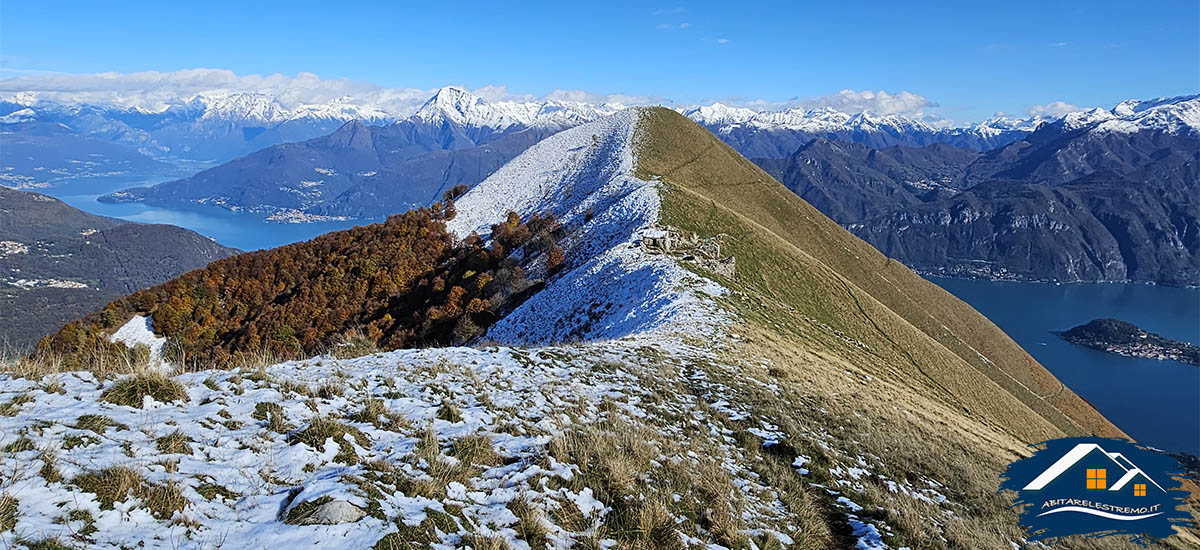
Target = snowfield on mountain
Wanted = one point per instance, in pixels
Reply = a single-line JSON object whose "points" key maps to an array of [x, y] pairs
{"points": [[819, 395]]}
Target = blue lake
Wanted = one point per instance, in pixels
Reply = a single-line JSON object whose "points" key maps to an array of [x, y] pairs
{"points": [[1155, 402], [240, 230]]}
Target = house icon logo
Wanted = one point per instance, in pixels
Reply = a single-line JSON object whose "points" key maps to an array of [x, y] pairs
{"points": [[1096, 486]]}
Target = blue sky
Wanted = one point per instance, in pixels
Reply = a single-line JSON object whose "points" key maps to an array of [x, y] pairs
{"points": [[971, 59]]}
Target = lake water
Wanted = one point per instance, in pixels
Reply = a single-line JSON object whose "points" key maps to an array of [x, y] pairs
{"points": [[1156, 402], [240, 230]]}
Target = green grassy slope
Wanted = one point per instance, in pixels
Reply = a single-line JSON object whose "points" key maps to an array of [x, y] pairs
{"points": [[807, 267], [859, 361]]}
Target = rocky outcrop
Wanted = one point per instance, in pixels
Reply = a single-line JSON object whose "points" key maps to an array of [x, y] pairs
{"points": [[690, 248]]}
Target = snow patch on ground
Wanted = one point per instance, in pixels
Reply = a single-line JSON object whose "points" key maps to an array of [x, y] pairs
{"points": [[241, 475], [139, 331]]}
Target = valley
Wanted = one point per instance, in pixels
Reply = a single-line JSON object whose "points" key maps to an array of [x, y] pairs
{"points": [[581, 276], [482, 329], [829, 396]]}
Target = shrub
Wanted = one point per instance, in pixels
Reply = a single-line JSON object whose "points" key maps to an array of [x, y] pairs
{"points": [[475, 449], [131, 391], [117, 483], [174, 443], [8, 512], [98, 423], [554, 260], [272, 413], [321, 429]]}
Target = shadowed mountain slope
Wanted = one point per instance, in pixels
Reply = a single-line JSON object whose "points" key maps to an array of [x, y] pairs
{"points": [[58, 262]]}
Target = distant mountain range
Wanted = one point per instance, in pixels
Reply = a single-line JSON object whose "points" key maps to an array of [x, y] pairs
{"points": [[217, 127], [780, 133], [367, 171], [1095, 196], [57, 262]]}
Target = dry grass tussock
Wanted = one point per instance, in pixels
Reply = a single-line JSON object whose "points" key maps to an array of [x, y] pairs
{"points": [[21, 362], [115, 483], [658, 485]]}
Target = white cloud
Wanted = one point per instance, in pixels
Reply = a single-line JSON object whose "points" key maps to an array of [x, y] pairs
{"points": [[722, 41], [672, 26], [1059, 44], [156, 90], [1055, 109], [583, 96], [500, 93], [850, 101]]}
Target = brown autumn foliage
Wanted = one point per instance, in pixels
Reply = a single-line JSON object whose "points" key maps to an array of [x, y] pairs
{"points": [[403, 283]]}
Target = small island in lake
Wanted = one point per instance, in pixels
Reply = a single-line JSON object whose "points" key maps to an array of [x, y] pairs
{"points": [[1124, 338]]}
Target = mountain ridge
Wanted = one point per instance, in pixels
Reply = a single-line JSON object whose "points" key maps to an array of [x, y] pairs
{"points": [[1066, 203], [817, 395]]}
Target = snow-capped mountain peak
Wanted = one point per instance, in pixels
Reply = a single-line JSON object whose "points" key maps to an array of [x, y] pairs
{"points": [[342, 109], [1079, 119], [1174, 115], [1005, 123], [719, 113], [457, 105], [23, 115], [450, 102], [871, 122], [243, 106]]}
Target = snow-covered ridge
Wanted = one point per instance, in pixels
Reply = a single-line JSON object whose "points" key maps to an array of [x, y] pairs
{"points": [[23, 115], [221, 125], [819, 120], [610, 287], [459, 106], [1176, 115], [220, 106]]}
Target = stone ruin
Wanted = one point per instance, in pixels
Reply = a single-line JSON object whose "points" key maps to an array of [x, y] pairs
{"points": [[689, 247]]}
